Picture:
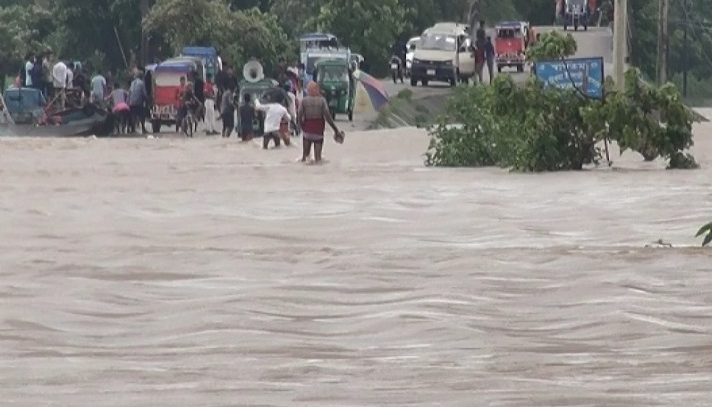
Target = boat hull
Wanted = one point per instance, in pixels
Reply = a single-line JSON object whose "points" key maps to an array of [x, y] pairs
{"points": [[84, 122]]}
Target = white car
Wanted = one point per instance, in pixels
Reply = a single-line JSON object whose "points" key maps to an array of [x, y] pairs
{"points": [[411, 45]]}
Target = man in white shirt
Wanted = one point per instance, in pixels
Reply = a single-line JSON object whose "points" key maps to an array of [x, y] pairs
{"points": [[59, 81], [275, 115], [29, 65], [70, 76]]}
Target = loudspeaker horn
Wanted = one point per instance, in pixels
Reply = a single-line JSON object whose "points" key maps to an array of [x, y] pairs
{"points": [[253, 71]]}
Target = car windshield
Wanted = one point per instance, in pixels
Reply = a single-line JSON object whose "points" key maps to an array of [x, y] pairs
{"points": [[333, 74], [438, 42], [311, 63]]}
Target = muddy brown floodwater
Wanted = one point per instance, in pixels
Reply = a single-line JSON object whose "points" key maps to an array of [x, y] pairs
{"points": [[172, 272]]}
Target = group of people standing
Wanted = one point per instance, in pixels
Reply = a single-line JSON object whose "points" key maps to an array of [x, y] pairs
{"points": [[55, 78], [308, 110], [60, 81], [484, 53], [130, 107]]}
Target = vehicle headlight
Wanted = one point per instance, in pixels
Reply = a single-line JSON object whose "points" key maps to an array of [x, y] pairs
{"points": [[447, 63]]}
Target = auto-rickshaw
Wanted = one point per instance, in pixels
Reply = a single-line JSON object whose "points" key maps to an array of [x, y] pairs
{"points": [[510, 44], [166, 84], [255, 84], [336, 80]]}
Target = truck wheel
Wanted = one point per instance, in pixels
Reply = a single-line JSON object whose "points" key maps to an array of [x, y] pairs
{"points": [[425, 82], [575, 27], [351, 115], [520, 68], [156, 126], [565, 27], [413, 81], [453, 82], [499, 68], [585, 27]]}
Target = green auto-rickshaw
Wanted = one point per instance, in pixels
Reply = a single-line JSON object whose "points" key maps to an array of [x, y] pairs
{"points": [[255, 89], [336, 80]]}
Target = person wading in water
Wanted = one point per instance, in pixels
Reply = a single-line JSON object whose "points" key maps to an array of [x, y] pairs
{"points": [[313, 115]]}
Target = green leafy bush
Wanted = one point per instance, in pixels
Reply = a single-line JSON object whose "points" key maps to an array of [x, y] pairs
{"points": [[650, 120], [538, 128], [405, 94], [552, 45], [524, 128]]}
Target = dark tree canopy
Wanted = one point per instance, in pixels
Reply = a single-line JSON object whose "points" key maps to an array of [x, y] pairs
{"points": [[87, 29]]}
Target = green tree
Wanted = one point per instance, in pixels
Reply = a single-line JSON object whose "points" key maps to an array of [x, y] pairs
{"points": [[263, 5], [293, 14], [369, 27], [240, 35], [552, 46], [90, 26], [538, 128], [23, 30]]}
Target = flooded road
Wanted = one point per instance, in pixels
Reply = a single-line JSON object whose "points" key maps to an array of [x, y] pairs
{"points": [[174, 272]]}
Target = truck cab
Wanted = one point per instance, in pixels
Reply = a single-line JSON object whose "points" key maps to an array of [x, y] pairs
{"points": [[445, 54]]}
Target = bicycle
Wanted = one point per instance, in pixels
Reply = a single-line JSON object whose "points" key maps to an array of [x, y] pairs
{"points": [[188, 123]]}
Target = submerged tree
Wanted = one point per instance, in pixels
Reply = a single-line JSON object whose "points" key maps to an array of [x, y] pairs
{"points": [[705, 231]]}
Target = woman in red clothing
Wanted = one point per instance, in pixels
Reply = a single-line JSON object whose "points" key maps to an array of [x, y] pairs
{"points": [[313, 115]]}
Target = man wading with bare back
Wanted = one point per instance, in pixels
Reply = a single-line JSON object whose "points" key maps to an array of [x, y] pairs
{"points": [[313, 115]]}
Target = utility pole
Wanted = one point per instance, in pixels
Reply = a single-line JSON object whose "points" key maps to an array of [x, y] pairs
{"points": [[620, 37], [662, 41], [686, 55]]}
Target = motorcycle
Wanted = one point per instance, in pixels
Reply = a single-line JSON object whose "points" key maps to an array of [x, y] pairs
{"points": [[397, 70]]}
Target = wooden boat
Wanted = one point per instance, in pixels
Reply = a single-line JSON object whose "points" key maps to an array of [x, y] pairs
{"points": [[90, 119]]}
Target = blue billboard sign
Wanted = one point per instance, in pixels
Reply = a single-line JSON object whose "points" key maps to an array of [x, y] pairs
{"points": [[585, 74]]}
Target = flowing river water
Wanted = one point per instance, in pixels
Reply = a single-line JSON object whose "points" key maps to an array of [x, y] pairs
{"points": [[172, 272]]}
